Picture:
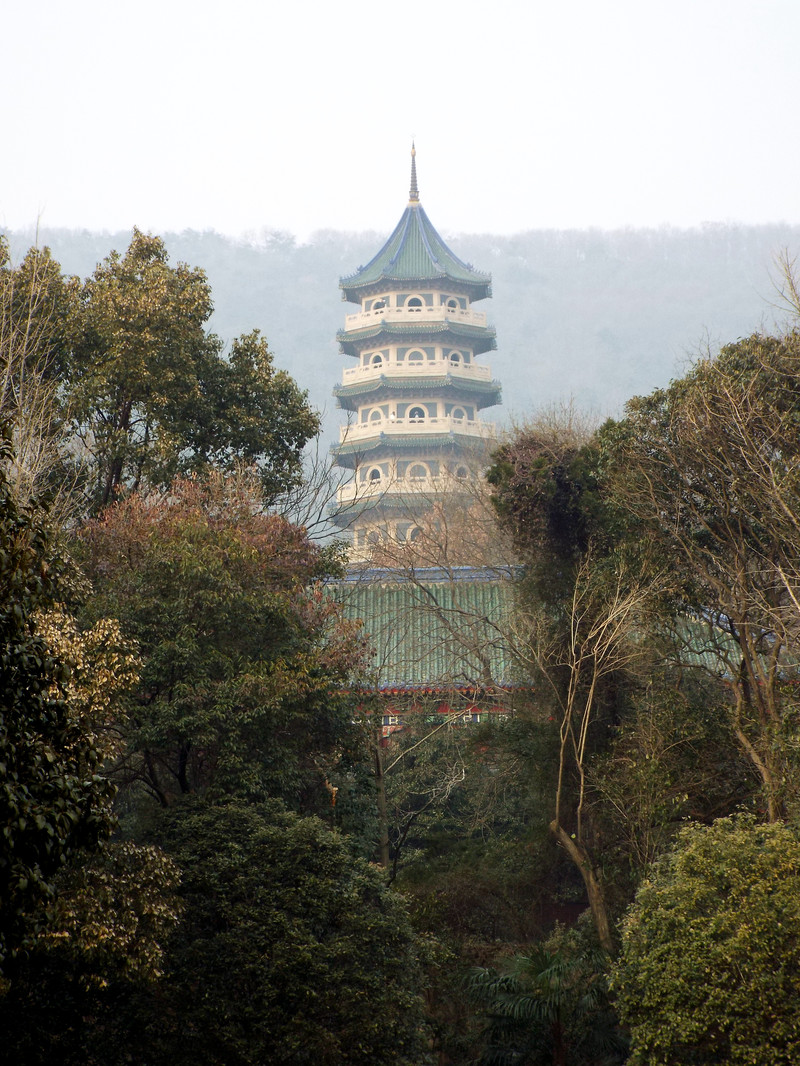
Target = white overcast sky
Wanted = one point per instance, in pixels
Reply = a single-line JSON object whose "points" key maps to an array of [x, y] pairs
{"points": [[246, 115]]}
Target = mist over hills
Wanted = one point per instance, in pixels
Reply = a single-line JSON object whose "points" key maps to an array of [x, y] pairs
{"points": [[589, 315]]}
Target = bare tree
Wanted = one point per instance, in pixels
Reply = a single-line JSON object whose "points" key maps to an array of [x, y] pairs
{"points": [[711, 468], [32, 297], [599, 636], [786, 286]]}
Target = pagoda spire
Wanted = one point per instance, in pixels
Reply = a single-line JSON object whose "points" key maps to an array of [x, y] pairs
{"points": [[413, 194], [416, 392]]}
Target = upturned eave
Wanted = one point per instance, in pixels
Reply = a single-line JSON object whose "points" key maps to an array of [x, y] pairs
{"points": [[482, 393], [481, 338], [414, 255]]}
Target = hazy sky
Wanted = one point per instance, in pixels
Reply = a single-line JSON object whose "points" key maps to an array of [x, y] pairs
{"points": [[244, 115]]}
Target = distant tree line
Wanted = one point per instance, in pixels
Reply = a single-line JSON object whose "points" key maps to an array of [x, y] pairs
{"points": [[593, 315]]}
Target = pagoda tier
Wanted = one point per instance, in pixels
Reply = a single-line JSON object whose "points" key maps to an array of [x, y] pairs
{"points": [[456, 388], [414, 396], [447, 437], [401, 327]]}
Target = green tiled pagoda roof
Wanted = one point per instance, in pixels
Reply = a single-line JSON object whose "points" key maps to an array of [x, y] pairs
{"points": [[484, 393], [387, 442], [426, 626], [482, 338], [415, 253], [400, 504]]}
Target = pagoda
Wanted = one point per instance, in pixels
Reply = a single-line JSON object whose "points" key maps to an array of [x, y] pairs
{"points": [[415, 390]]}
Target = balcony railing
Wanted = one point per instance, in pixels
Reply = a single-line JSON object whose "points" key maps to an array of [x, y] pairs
{"points": [[363, 319], [435, 368], [354, 492], [414, 427]]}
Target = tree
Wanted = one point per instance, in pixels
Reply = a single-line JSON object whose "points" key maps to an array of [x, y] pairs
{"points": [[708, 473], [74, 996], [549, 1007], [35, 306], [103, 670], [246, 664], [53, 798], [579, 662], [710, 960], [290, 949], [580, 621], [671, 758], [149, 393]]}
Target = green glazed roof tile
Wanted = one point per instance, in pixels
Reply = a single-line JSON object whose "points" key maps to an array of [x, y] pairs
{"points": [[425, 632], [482, 338], [486, 392], [404, 441], [415, 252]]}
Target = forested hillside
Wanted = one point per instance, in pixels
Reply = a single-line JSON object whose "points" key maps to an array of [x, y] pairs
{"points": [[591, 315]]}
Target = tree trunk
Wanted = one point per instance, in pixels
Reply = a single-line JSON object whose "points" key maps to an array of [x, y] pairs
{"points": [[383, 821], [183, 765], [594, 890], [559, 1050]]}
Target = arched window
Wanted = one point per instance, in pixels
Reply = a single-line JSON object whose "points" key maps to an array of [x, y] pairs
{"points": [[377, 359], [375, 474], [458, 414], [414, 303], [379, 305], [416, 414], [462, 472], [413, 534], [415, 356], [418, 471], [375, 414], [452, 304], [455, 357]]}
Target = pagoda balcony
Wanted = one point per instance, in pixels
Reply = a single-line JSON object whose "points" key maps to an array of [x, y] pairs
{"points": [[436, 368], [428, 487], [364, 319], [414, 427]]}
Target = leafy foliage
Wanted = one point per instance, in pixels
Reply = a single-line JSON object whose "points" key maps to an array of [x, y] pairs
{"points": [[150, 395], [549, 1006], [548, 493], [290, 950], [53, 799], [708, 470], [72, 997], [671, 758], [710, 963], [245, 662], [103, 669]]}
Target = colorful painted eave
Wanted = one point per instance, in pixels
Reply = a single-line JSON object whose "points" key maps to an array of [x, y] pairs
{"points": [[415, 253]]}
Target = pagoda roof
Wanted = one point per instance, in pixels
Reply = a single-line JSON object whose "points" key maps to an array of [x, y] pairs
{"points": [[415, 253], [390, 502], [350, 452], [424, 626], [484, 393], [482, 338]]}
